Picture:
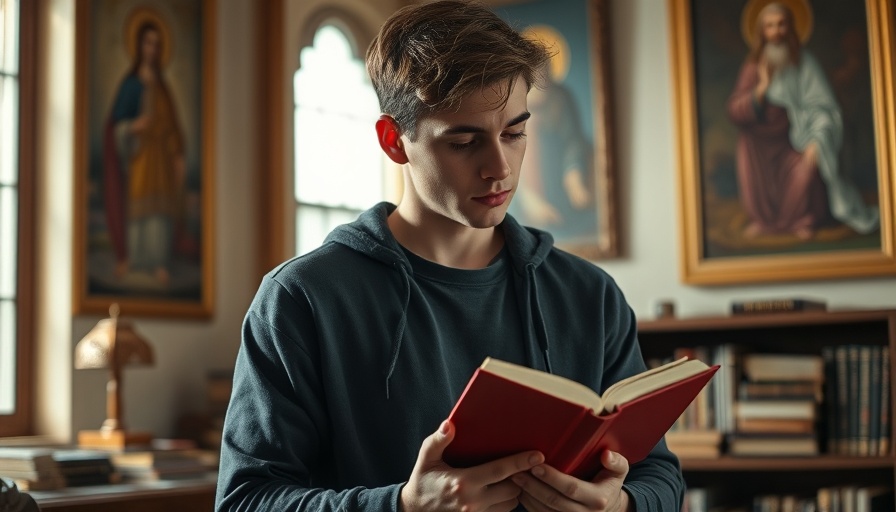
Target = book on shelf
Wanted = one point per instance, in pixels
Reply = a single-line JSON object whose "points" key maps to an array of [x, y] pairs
{"points": [[776, 425], [766, 367], [777, 306], [507, 409], [795, 390], [856, 498], [695, 444], [772, 445], [775, 409], [858, 401]]}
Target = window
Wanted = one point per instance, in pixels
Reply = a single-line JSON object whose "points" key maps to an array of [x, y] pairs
{"points": [[16, 97], [339, 167]]}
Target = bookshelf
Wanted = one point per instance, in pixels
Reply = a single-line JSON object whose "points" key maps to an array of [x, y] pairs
{"points": [[741, 478]]}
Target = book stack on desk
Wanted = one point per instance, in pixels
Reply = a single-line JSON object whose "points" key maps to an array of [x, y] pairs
{"points": [[150, 465], [85, 467], [31, 469]]}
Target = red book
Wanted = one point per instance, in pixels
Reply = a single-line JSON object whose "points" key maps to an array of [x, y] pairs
{"points": [[508, 409]]}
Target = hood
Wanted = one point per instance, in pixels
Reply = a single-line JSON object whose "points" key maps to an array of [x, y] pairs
{"points": [[528, 248]]}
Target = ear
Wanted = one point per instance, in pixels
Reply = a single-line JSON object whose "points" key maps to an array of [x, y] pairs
{"points": [[389, 137]]}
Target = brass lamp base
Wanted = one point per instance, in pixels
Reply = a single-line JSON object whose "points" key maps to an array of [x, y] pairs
{"points": [[113, 439]]}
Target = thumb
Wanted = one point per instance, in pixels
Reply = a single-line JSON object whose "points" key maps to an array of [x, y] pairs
{"points": [[434, 446]]}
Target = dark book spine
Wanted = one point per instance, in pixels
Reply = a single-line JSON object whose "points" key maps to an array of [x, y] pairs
{"points": [[885, 403], [776, 306]]}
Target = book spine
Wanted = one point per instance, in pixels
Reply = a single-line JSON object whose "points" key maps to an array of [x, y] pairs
{"points": [[886, 402], [776, 306], [840, 353], [863, 446], [569, 446], [831, 418]]}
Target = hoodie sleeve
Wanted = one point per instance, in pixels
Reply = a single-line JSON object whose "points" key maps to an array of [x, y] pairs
{"points": [[276, 422], [656, 483]]}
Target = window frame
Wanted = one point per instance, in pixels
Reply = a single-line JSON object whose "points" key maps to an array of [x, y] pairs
{"points": [[21, 422]]}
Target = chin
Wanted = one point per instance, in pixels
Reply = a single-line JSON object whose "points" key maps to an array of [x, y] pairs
{"points": [[490, 220]]}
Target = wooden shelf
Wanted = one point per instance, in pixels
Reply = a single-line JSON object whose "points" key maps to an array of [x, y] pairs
{"points": [[743, 478], [817, 463]]}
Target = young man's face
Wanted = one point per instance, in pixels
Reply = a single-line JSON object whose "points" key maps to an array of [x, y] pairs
{"points": [[464, 165]]}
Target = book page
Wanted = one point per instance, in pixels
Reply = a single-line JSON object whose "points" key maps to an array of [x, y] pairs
{"points": [[647, 382], [554, 385]]}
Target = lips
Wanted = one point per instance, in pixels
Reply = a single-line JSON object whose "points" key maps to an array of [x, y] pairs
{"points": [[493, 200]]}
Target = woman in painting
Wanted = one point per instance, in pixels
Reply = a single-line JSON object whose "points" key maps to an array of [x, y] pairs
{"points": [[144, 164]]}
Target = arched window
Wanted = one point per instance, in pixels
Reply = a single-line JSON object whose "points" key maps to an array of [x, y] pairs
{"points": [[339, 166]]}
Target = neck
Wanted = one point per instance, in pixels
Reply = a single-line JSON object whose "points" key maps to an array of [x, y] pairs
{"points": [[444, 241]]}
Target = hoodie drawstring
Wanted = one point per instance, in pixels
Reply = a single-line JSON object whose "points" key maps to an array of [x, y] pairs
{"points": [[402, 323], [541, 328]]}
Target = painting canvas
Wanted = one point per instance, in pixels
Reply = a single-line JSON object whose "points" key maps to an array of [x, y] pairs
{"points": [[143, 207], [785, 149], [567, 184]]}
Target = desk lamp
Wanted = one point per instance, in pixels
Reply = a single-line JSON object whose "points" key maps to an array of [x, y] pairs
{"points": [[113, 344]]}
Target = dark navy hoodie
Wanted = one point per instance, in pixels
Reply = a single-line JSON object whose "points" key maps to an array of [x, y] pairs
{"points": [[346, 365]]}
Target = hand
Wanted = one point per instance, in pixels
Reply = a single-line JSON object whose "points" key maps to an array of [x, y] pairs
{"points": [[810, 155], [764, 68], [546, 489], [435, 486]]}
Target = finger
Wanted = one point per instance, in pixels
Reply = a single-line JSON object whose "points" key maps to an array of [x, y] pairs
{"points": [[556, 490], [501, 496], [615, 465], [433, 446], [506, 506], [501, 492], [532, 505], [502, 469]]}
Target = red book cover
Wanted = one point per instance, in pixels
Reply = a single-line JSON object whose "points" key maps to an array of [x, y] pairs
{"points": [[496, 417]]}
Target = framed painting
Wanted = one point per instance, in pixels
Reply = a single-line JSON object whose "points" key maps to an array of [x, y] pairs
{"points": [[785, 124], [568, 180], [144, 142]]}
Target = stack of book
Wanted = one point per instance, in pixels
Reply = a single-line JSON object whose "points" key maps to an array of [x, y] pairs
{"points": [[32, 469], [85, 467], [777, 408], [694, 444], [151, 465], [857, 409]]}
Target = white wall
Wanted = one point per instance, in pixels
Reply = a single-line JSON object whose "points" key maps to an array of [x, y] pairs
{"points": [[647, 169]]}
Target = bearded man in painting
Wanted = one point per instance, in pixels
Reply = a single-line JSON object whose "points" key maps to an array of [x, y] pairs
{"points": [[791, 131]]}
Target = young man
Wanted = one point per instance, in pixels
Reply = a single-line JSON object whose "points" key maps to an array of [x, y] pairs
{"points": [[353, 355]]}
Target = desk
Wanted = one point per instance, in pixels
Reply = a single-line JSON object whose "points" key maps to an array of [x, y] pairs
{"points": [[186, 495]]}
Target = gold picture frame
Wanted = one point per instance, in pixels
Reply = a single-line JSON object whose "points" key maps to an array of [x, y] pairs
{"points": [[144, 157], [722, 242], [574, 196]]}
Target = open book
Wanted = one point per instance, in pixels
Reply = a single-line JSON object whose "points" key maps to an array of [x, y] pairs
{"points": [[507, 409]]}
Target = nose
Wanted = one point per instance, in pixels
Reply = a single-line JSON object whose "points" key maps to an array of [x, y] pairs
{"points": [[494, 165]]}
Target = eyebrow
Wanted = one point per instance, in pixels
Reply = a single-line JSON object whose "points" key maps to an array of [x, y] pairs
{"points": [[454, 130]]}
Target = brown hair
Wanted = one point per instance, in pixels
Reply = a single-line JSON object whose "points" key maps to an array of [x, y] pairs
{"points": [[793, 39], [427, 58]]}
